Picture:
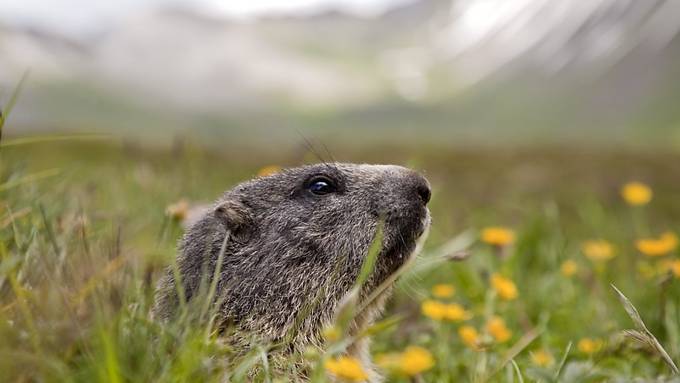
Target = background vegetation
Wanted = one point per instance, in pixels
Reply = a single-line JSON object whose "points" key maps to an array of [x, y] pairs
{"points": [[86, 231]]}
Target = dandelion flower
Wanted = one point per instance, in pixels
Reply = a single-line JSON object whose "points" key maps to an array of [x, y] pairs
{"points": [[569, 268], [443, 291], [456, 313], [542, 358], [268, 170], [469, 336], [498, 236], [655, 247], [415, 360], [636, 193], [496, 327], [178, 211], [439, 311], [347, 368], [505, 288], [332, 334], [433, 309], [598, 250], [589, 346]]}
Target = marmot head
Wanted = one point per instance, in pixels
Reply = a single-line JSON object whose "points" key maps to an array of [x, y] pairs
{"points": [[300, 236], [328, 214]]}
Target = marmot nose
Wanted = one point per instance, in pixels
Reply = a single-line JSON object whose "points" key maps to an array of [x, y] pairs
{"points": [[424, 193], [422, 188]]}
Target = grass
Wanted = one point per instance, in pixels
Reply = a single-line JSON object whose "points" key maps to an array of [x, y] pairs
{"points": [[84, 236]]}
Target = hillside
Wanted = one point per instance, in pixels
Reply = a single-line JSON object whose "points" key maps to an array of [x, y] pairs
{"points": [[463, 70]]}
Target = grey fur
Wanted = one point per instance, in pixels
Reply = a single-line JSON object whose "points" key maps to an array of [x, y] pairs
{"points": [[292, 255]]}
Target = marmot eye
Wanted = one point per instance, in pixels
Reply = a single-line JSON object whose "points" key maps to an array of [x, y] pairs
{"points": [[321, 186]]}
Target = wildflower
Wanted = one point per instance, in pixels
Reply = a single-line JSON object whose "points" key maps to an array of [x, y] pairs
{"points": [[433, 309], [598, 250], [505, 288], [443, 291], [268, 170], [178, 211], [589, 346], [469, 336], [455, 312], [542, 358], [636, 193], [347, 368], [498, 236], [439, 311], [654, 247], [569, 268], [415, 360], [332, 334], [496, 327]]}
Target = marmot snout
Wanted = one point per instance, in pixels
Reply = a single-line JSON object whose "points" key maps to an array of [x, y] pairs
{"points": [[292, 236]]}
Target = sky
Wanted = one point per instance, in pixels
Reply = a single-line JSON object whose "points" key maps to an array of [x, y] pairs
{"points": [[83, 16]]}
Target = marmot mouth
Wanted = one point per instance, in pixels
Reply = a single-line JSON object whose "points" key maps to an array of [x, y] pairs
{"points": [[403, 236]]}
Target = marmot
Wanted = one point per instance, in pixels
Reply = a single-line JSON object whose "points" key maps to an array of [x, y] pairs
{"points": [[296, 243]]}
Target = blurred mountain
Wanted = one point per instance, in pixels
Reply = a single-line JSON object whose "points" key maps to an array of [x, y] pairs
{"points": [[467, 68]]}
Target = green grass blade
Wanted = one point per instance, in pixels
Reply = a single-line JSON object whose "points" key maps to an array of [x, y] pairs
{"points": [[643, 335], [4, 112], [563, 361], [517, 371], [29, 178]]}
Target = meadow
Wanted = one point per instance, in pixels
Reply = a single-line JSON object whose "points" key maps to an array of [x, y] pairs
{"points": [[514, 283]]}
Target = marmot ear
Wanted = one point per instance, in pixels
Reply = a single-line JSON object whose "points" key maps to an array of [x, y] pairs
{"points": [[233, 215]]}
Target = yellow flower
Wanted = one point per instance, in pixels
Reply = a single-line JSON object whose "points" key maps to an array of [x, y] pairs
{"points": [[415, 360], [542, 358], [178, 210], [598, 250], [636, 193], [469, 336], [590, 346], [433, 309], [496, 327], [569, 268], [268, 170], [455, 312], [654, 247], [505, 288], [443, 291], [332, 334], [347, 368], [439, 311], [498, 236]]}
